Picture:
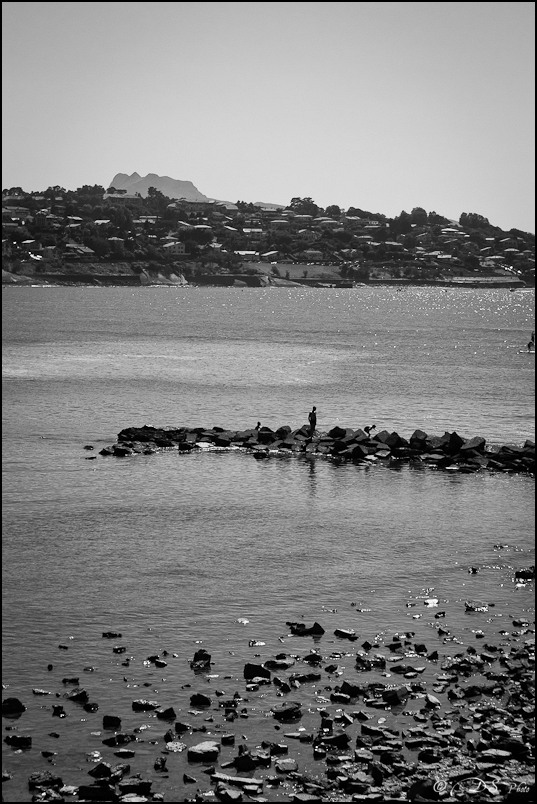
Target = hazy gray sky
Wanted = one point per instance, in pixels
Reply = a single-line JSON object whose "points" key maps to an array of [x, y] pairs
{"points": [[383, 106]]}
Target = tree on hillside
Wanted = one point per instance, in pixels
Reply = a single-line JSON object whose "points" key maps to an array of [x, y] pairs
{"points": [[333, 211], [20, 234], [157, 202], [410, 241], [304, 206], [52, 192], [381, 235], [419, 216], [434, 217], [526, 236], [195, 237], [282, 240], [401, 224], [247, 207], [473, 220], [361, 273], [89, 194], [98, 244], [120, 217], [471, 261], [342, 238], [478, 238], [356, 212]]}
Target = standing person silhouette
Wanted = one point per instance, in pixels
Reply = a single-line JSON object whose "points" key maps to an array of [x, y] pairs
{"points": [[312, 417]]}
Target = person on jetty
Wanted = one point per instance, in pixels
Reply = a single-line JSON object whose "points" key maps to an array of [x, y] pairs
{"points": [[368, 429], [312, 418]]}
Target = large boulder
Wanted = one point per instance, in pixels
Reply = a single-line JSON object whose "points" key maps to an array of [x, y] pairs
{"points": [[44, 779], [338, 433], [290, 710], [206, 751], [255, 671], [477, 443], [12, 706]]}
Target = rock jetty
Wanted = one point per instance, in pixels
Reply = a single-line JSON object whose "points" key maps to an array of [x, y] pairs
{"points": [[449, 452]]}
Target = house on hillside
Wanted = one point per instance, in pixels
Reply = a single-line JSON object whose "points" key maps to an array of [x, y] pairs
{"points": [[279, 224], [248, 256], [253, 235], [121, 199], [75, 251], [269, 256], [117, 245], [175, 248]]}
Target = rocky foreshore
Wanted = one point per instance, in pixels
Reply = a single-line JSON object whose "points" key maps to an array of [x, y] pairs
{"points": [[449, 452], [350, 720]]}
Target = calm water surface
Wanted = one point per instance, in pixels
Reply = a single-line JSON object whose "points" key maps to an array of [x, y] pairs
{"points": [[216, 548]]}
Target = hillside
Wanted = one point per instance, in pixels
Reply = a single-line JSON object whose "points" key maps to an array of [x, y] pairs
{"points": [[84, 236]]}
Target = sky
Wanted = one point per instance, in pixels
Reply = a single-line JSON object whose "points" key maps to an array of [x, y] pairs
{"points": [[384, 106]]}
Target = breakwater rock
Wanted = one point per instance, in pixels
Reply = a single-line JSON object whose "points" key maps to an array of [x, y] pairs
{"points": [[449, 452]]}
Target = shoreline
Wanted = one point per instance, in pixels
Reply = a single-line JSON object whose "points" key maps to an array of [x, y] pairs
{"points": [[329, 718], [320, 284]]}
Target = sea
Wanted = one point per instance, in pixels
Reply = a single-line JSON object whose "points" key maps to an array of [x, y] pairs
{"points": [[176, 552]]}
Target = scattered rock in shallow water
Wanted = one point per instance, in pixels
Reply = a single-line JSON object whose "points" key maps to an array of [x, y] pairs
{"points": [[526, 573], [78, 695], [135, 785], [199, 699], [12, 706], [18, 741], [201, 661], [476, 605], [488, 729], [141, 705], [206, 751], [44, 779], [286, 765], [101, 771], [301, 629], [175, 746], [119, 739], [346, 633], [125, 753], [97, 792], [255, 671], [111, 722], [291, 710], [167, 713]]}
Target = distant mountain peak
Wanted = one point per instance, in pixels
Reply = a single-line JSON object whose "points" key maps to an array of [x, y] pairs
{"points": [[172, 188]]}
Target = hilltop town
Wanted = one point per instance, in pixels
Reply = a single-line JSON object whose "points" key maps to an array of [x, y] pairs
{"points": [[111, 236]]}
